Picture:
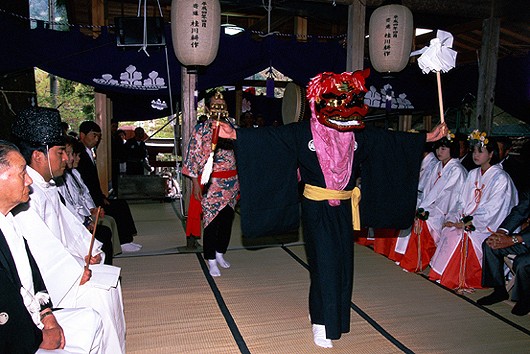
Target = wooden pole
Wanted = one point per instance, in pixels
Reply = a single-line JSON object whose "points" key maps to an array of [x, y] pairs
{"points": [[440, 100], [92, 239]]}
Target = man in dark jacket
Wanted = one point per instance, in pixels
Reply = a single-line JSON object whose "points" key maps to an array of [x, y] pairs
{"points": [[505, 242]]}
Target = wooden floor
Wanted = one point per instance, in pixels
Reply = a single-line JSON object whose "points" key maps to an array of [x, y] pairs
{"points": [[259, 305]]}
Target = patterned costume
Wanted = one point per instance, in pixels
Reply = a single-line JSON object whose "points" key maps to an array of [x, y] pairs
{"points": [[220, 192]]}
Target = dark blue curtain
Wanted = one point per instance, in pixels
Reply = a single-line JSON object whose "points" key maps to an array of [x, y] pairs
{"points": [[100, 63]]}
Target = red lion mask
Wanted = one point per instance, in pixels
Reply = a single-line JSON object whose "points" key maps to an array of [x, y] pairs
{"points": [[339, 99]]}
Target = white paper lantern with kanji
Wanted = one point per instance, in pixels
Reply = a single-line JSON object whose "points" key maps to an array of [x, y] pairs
{"points": [[390, 37], [195, 30]]}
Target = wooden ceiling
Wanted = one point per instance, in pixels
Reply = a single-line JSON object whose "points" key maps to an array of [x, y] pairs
{"points": [[462, 18]]}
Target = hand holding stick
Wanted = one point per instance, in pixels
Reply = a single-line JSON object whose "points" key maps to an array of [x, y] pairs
{"points": [[92, 239]]}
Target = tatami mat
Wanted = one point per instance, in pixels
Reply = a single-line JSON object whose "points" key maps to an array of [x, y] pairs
{"points": [[171, 308]]}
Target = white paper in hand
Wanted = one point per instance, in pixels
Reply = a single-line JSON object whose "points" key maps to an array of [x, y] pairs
{"points": [[104, 276]]}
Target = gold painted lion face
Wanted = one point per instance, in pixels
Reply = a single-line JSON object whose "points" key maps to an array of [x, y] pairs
{"points": [[339, 99]]}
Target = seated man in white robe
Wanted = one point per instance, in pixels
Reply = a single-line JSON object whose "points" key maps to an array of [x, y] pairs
{"points": [[59, 242], [28, 322]]}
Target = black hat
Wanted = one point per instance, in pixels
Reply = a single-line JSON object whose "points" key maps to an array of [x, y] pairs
{"points": [[39, 126]]}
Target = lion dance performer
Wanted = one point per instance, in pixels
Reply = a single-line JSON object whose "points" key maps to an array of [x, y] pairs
{"points": [[328, 150]]}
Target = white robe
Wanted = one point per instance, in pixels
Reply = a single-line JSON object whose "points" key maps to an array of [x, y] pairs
{"points": [[79, 202], [59, 242], [427, 166], [498, 197], [45, 201], [442, 188], [82, 327]]}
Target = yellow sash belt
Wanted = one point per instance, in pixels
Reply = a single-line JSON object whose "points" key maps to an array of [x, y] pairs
{"points": [[320, 194]]}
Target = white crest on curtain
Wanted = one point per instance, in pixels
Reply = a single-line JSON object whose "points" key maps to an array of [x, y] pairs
{"points": [[159, 104], [377, 98], [133, 79]]}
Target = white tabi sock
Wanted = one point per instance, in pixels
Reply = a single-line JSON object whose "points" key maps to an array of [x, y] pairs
{"points": [[220, 259], [319, 336], [214, 271]]}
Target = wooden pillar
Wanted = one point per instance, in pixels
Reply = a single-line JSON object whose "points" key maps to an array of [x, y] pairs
{"points": [[405, 122], [356, 33], [487, 74], [189, 119], [103, 115], [300, 28], [98, 15], [427, 123], [239, 102]]}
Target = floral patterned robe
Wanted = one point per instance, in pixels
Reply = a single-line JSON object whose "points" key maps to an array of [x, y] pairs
{"points": [[219, 192]]}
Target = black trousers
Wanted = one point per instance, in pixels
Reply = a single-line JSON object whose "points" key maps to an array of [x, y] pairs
{"points": [[120, 211], [216, 236], [104, 235], [493, 269]]}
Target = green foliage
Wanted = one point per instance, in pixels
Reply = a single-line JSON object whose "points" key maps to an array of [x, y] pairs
{"points": [[75, 101]]}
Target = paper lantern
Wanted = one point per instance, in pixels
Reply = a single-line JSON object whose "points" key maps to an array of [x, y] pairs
{"points": [[390, 38], [195, 29]]}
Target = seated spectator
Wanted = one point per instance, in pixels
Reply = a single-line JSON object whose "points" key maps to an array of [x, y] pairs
{"points": [[513, 165], [442, 187], [136, 154], [246, 120], [505, 241], [28, 321], [427, 166], [59, 242], [118, 155], [487, 197], [90, 135], [78, 200], [259, 121], [465, 155]]}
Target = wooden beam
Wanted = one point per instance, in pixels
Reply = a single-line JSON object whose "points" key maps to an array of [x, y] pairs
{"points": [[300, 28], [487, 74], [98, 15], [517, 36], [355, 37], [189, 119], [103, 161]]}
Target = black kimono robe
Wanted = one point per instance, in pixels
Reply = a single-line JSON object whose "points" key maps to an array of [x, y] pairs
{"points": [[18, 334], [267, 160]]}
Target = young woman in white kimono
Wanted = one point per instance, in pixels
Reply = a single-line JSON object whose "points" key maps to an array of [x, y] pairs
{"points": [[442, 186], [427, 166], [486, 198]]}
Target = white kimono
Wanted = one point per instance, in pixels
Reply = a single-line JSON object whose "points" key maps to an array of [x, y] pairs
{"points": [[427, 165], [79, 202], [78, 339], [59, 242], [497, 197], [441, 190]]}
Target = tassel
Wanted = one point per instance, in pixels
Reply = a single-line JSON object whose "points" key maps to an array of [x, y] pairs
{"points": [[207, 169]]}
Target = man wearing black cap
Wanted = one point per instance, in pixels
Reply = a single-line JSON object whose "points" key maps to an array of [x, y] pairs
{"points": [[38, 134]]}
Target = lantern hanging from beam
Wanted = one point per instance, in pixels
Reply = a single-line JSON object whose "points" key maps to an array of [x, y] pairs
{"points": [[390, 37], [195, 29]]}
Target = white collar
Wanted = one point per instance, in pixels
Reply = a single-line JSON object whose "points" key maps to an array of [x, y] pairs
{"points": [[38, 179]]}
